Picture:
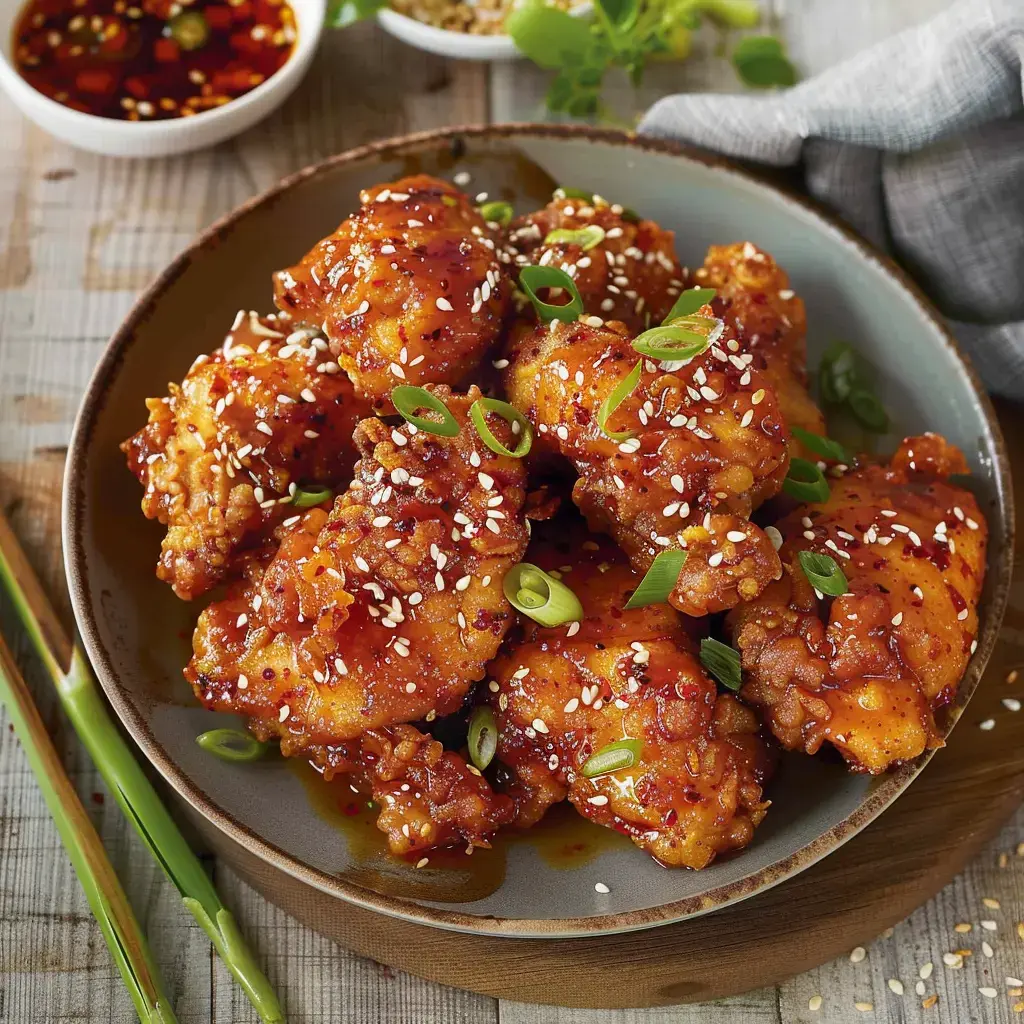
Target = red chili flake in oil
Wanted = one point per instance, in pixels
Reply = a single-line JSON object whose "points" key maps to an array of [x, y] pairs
{"points": [[149, 60]]}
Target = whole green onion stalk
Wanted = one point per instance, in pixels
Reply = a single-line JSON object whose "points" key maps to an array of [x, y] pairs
{"points": [[80, 697]]}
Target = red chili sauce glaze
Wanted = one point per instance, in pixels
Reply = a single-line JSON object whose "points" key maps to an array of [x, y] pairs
{"points": [[145, 60]]}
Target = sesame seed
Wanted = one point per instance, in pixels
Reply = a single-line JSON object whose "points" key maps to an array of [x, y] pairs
{"points": [[988, 725], [857, 954], [243, 682], [736, 536], [283, 714], [814, 1003], [600, 886], [442, 303], [926, 971], [895, 985], [598, 801]]}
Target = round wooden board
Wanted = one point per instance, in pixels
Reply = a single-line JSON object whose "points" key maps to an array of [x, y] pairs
{"points": [[899, 862]]}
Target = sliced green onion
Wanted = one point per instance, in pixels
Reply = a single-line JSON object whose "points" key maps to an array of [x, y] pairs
{"points": [[689, 302], [840, 372], [477, 413], [612, 758], [498, 212], [189, 29], [483, 736], [805, 481], [722, 662], [532, 278], [543, 598], [407, 398], [575, 193], [869, 411], [823, 573], [619, 394], [307, 497], [449, 200], [682, 340], [823, 446], [586, 238], [659, 581], [232, 745]]}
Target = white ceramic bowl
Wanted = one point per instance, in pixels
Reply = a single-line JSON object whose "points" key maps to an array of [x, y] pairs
{"points": [[161, 138], [459, 45]]}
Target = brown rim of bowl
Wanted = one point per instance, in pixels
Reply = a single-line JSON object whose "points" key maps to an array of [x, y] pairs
{"points": [[878, 799]]}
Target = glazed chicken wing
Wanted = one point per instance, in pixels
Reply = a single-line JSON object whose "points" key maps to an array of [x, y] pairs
{"points": [[867, 670], [384, 610], [221, 454], [625, 268], [563, 695], [767, 317], [409, 289], [708, 445]]}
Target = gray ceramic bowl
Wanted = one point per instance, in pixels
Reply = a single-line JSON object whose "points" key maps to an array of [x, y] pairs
{"points": [[137, 633]]}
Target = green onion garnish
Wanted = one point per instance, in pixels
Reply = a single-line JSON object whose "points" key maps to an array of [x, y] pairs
{"points": [[407, 398], [543, 598], [659, 581], [575, 193], [869, 411], [722, 662], [232, 745], [689, 302], [823, 573], [586, 238], [498, 212], [483, 736], [805, 481], [189, 29], [840, 372], [612, 758], [532, 278], [823, 446], [307, 497], [682, 340], [449, 200], [477, 413], [619, 394]]}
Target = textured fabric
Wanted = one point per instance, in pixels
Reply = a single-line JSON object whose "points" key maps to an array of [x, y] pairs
{"points": [[918, 143]]}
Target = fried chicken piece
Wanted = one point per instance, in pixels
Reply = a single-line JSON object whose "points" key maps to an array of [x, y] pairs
{"points": [[220, 454], [563, 694], [384, 610], [866, 671], [631, 274], [768, 318], [708, 447], [409, 289]]}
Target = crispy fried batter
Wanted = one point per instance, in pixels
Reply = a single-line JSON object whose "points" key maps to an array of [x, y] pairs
{"points": [[218, 456], [768, 318], [867, 670], [408, 289], [385, 610], [631, 274], [563, 695], [708, 446]]}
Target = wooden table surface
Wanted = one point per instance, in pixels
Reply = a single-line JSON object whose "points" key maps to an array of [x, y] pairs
{"points": [[80, 236]]}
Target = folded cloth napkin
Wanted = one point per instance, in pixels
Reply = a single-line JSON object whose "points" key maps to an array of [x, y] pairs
{"points": [[918, 143]]}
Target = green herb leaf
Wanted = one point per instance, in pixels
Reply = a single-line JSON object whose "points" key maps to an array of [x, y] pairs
{"points": [[519, 423], [869, 411], [613, 758], [761, 62], [618, 395], [308, 497], [541, 597], [483, 736], [722, 662], [586, 238], [823, 573], [805, 481], [550, 37], [532, 278], [232, 745], [730, 13], [659, 581], [406, 398], [497, 212], [620, 14], [342, 13], [840, 373], [823, 446], [682, 340], [689, 302], [567, 192]]}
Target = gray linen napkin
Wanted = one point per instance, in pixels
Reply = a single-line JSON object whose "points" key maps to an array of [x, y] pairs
{"points": [[918, 143]]}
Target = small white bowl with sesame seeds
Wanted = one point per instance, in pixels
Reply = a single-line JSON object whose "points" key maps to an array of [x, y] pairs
{"points": [[113, 137], [445, 42]]}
